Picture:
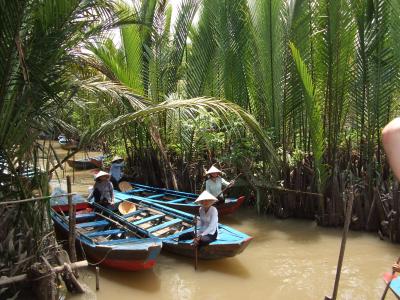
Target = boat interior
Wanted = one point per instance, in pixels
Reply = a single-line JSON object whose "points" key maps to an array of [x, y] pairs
{"points": [[97, 227]]}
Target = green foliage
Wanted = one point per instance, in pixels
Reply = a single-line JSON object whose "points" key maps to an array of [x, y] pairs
{"points": [[314, 118]]}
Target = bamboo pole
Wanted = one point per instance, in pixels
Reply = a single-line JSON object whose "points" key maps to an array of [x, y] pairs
{"points": [[58, 269], [293, 191], [389, 282], [342, 246], [72, 278], [196, 247], [72, 215], [34, 199], [229, 185], [70, 154], [73, 170], [97, 278]]}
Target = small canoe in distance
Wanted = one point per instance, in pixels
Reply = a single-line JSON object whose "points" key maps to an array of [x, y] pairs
{"points": [[86, 163], [68, 145], [180, 200], [394, 284], [158, 221], [106, 241]]}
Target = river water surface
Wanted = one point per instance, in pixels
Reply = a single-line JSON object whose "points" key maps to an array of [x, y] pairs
{"points": [[287, 259]]}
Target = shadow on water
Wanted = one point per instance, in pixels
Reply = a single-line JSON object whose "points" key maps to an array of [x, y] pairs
{"points": [[263, 228], [230, 220], [228, 266], [146, 280]]}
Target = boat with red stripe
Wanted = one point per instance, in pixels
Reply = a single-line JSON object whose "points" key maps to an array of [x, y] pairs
{"points": [[105, 241]]}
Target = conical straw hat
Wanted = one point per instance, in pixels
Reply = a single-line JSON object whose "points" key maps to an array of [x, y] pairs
{"points": [[100, 174], [124, 186], [205, 196], [126, 207], [116, 157], [213, 170]]}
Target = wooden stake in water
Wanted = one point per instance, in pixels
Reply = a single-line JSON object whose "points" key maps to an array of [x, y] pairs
{"points": [[195, 246], [97, 278], [343, 245], [73, 171], [71, 217]]}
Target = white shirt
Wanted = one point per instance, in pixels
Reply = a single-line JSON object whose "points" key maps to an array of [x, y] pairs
{"points": [[208, 223], [215, 187], [116, 170]]}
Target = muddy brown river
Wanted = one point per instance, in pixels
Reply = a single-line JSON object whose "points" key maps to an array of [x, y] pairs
{"points": [[287, 259]]}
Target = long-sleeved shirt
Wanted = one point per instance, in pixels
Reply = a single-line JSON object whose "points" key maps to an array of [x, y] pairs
{"points": [[116, 170], [105, 188], [208, 222], [215, 187]]}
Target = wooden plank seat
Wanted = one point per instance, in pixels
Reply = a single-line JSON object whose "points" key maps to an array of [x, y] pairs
{"points": [[93, 224], [105, 232], [178, 200], [120, 241], [156, 196], [148, 219], [79, 217], [164, 225], [135, 213], [135, 191], [176, 235]]}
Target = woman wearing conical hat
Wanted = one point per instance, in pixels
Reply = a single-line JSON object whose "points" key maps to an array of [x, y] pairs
{"points": [[117, 165], [215, 183], [103, 191], [208, 224]]}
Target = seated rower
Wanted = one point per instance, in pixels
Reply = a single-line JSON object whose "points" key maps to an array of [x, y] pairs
{"points": [[207, 225], [103, 191], [117, 164], [216, 183]]}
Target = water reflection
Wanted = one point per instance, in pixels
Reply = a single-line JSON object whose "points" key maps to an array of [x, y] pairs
{"points": [[146, 280]]}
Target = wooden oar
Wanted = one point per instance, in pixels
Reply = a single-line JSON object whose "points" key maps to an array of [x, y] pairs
{"points": [[195, 246], [390, 280], [342, 246], [229, 185]]}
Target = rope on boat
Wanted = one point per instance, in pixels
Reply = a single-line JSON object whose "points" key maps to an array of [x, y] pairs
{"points": [[97, 263]]}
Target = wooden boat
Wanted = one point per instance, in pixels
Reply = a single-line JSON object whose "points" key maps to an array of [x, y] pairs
{"points": [[394, 284], [70, 145], [105, 241], [86, 163], [158, 221], [67, 144], [181, 200]]}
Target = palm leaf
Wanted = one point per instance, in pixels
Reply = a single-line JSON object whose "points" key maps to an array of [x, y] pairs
{"points": [[206, 105], [314, 117]]}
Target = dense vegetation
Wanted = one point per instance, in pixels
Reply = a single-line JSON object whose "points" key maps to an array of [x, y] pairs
{"points": [[292, 93]]}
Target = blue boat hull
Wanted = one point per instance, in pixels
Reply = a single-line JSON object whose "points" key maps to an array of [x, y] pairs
{"points": [[128, 255], [230, 242], [182, 200]]}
